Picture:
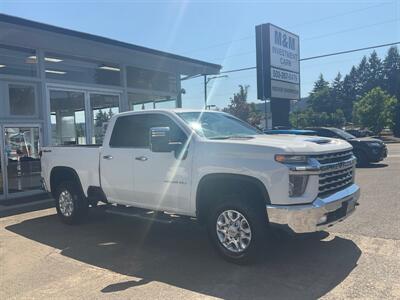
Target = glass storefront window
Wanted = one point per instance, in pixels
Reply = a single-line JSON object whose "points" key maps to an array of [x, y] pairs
{"points": [[67, 110], [65, 68], [137, 101], [103, 108], [18, 61], [22, 100], [22, 152], [150, 80]]}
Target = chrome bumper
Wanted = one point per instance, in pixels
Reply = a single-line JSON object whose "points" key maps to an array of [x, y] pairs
{"points": [[311, 217]]}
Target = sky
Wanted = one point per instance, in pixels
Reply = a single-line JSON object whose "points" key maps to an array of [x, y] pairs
{"points": [[223, 32]]}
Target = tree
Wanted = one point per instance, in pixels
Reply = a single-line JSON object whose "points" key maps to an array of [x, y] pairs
{"points": [[374, 73], [310, 118], [255, 116], [245, 111], [376, 110], [238, 105], [361, 78], [320, 99], [349, 93], [391, 74]]}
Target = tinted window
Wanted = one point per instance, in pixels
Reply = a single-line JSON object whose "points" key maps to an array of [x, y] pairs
{"points": [[134, 131]]}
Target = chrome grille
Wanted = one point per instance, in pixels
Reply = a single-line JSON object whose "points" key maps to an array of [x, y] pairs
{"points": [[337, 172]]}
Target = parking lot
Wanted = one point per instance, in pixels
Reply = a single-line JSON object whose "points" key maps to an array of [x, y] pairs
{"points": [[114, 257]]}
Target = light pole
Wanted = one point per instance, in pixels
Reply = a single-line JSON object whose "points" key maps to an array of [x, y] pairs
{"points": [[206, 81]]}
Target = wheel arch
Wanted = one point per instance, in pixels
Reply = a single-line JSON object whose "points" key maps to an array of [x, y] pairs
{"points": [[60, 174], [221, 182]]}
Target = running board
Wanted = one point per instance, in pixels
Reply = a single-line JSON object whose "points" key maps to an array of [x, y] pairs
{"points": [[148, 215]]}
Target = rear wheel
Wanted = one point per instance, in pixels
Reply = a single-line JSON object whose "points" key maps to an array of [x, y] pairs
{"points": [[237, 230], [72, 206]]}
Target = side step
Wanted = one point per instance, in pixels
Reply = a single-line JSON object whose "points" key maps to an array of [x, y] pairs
{"points": [[148, 215]]}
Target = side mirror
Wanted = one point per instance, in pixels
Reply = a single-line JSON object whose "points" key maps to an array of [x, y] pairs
{"points": [[159, 139]]}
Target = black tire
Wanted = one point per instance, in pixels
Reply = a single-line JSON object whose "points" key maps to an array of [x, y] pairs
{"points": [[258, 224], [80, 205], [362, 160]]}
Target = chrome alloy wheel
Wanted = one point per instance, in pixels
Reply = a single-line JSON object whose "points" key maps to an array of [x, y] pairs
{"points": [[66, 203], [233, 231]]}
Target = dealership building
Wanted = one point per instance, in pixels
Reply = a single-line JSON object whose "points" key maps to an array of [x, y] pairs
{"points": [[59, 87]]}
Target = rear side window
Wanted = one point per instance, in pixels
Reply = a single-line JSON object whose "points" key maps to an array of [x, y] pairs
{"points": [[134, 131]]}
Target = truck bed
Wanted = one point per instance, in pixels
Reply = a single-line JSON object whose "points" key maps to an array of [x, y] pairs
{"points": [[84, 159]]}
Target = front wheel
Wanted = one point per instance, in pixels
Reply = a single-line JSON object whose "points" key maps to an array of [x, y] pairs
{"points": [[72, 206], [362, 160], [238, 231]]}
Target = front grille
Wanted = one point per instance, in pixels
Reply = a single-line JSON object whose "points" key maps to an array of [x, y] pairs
{"points": [[337, 172]]}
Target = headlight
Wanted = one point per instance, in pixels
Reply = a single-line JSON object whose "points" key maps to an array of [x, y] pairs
{"points": [[291, 159], [297, 185]]}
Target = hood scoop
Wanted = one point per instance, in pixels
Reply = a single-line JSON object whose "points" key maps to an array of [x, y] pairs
{"points": [[319, 141]]}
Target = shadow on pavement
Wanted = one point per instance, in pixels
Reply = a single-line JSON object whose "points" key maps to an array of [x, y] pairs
{"points": [[373, 166], [180, 255]]}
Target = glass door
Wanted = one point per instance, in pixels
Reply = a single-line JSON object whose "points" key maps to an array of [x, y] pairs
{"points": [[21, 159], [80, 116], [102, 108], [2, 184]]}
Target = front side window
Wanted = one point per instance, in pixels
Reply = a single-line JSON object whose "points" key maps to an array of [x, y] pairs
{"points": [[134, 131], [22, 100], [217, 125]]}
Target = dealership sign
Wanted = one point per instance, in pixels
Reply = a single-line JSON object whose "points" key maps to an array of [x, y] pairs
{"points": [[278, 65]]}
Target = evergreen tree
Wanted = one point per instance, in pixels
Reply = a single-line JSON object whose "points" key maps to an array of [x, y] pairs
{"points": [[361, 79], [374, 73], [337, 91], [349, 93], [391, 74]]}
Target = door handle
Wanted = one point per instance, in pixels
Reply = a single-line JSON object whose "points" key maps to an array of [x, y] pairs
{"points": [[108, 157], [141, 158]]}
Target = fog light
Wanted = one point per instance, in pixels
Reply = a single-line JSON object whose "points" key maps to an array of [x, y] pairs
{"points": [[322, 220], [297, 185]]}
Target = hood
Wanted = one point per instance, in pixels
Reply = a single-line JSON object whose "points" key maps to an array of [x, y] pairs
{"points": [[366, 139], [298, 144]]}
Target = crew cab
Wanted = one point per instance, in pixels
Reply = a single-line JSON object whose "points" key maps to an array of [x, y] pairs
{"points": [[210, 167]]}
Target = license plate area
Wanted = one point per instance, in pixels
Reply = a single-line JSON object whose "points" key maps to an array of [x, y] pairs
{"points": [[347, 207]]}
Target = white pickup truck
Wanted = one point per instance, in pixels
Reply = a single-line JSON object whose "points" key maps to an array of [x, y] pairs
{"points": [[208, 166]]}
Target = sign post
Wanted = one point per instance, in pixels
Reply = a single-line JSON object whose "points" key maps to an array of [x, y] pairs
{"points": [[278, 70]]}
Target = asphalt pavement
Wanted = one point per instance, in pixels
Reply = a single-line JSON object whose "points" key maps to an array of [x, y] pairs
{"points": [[124, 258]]}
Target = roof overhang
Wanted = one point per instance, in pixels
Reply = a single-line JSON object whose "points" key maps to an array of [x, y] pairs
{"points": [[20, 32]]}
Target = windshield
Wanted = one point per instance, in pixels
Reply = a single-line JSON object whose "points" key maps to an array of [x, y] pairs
{"points": [[217, 125], [343, 134]]}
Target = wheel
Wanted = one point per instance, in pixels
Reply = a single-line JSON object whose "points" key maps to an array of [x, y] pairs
{"points": [[238, 231], [361, 158], [72, 206]]}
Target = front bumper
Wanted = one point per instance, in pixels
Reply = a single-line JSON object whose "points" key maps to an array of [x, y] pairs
{"points": [[322, 213], [378, 154]]}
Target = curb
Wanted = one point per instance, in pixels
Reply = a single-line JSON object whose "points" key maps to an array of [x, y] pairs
{"points": [[6, 211]]}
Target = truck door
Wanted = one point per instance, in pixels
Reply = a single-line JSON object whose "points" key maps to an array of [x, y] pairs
{"points": [[116, 163], [161, 181]]}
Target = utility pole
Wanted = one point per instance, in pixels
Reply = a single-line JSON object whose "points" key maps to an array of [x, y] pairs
{"points": [[206, 81], [205, 91]]}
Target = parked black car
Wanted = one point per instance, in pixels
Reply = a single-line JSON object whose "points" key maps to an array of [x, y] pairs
{"points": [[366, 149], [359, 132]]}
